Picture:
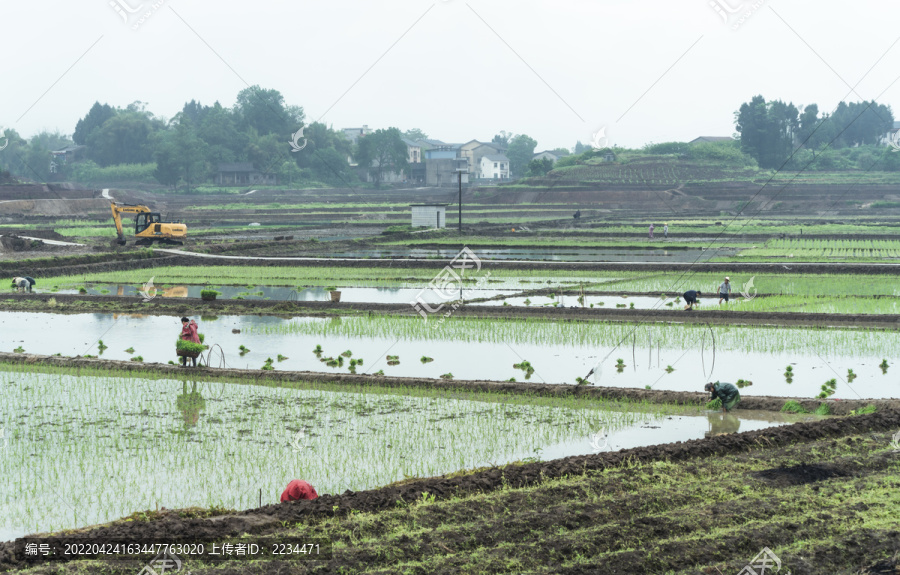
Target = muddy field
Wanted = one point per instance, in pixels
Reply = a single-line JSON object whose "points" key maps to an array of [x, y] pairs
{"points": [[644, 510]]}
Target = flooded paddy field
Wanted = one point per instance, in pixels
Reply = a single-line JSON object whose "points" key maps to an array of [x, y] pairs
{"points": [[669, 357], [120, 445]]}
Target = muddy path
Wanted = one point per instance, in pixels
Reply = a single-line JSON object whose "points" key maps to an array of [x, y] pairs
{"points": [[60, 303], [286, 378], [641, 505]]}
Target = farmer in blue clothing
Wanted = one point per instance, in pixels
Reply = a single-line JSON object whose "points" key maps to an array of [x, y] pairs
{"points": [[727, 393]]}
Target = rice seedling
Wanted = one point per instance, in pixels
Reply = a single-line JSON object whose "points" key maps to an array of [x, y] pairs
{"points": [[267, 366], [823, 409], [864, 410], [101, 346], [379, 372], [850, 375], [669, 369], [137, 358], [347, 353], [425, 359], [742, 383], [793, 406], [447, 376], [129, 350], [884, 366], [282, 357], [243, 349], [19, 349], [828, 388]]}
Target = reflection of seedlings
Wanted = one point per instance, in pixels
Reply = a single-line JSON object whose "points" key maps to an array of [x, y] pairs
{"points": [[620, 365], [331, 362], [850, 375], [347, 353], [425, 359], [447, 376], [527, 301], [742, 383], [268, 365], [883, 365], [621, 305], [598, 303], [244, 349], [129, 350], [631, 306], [669, 369], [281, 357], [101, 346], [19, 349], [393, 360]]}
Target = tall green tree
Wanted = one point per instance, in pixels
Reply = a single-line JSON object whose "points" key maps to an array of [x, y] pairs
{"points": [[382, 152], [767, 130], [124, 138], [266, 112], [180, 154], [96, 116], [520, 152], [502, 139]]}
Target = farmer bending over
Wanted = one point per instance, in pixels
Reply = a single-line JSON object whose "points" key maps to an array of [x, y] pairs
{"points": [[21, 284], [690, 298], [189, 333], [298, 489], [727, 393]]}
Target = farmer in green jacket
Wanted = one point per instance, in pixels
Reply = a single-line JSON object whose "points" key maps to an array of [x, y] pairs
{"points": [[726, 392]]}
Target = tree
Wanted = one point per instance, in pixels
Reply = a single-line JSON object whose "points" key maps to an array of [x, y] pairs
{"points": [[382, 152], [266, 112], [415, 134], [767, 130], [520, 152], [580, 148], [218, 129], [95, 118], [502, 139], [124, 139], [561, 152], [180, 154], [540, 166]]}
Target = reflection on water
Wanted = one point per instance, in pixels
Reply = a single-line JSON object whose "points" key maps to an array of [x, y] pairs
{"points": [[190, 404], [722, 424]]}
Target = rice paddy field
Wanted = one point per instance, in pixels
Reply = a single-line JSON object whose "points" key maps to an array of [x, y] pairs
{"points": [[131, 441]]}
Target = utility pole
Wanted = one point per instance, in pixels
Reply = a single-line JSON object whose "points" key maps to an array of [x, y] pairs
{"points": [[460, 172]]}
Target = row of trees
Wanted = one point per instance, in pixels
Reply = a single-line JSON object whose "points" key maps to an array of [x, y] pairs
{"points": [[771, 131]]}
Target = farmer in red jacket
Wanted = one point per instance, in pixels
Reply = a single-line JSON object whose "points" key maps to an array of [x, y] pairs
{"points": [[298, 489], [189, 333]]}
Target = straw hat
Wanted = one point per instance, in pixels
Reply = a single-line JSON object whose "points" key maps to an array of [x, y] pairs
{"points": [[728, 279]]}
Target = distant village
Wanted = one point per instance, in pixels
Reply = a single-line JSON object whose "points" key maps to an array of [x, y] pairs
{"points": [[435, 163]]}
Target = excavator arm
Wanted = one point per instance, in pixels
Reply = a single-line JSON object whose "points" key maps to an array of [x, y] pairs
{"points": [[117, 209]]}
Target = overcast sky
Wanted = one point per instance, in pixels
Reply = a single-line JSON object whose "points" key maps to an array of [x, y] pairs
{"points": [[650, 71]]}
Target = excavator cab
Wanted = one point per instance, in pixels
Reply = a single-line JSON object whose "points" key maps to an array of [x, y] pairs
{"points": [[144, 221]]}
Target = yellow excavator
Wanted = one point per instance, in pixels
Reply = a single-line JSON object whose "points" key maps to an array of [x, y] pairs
{"points": [[148, 226]]}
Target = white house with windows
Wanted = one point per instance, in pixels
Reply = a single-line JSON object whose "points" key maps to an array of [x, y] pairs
{"points": [[494, 167]]}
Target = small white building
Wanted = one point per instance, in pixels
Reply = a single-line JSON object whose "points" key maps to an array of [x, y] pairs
{"points": [[429, 215], [495, 167]]}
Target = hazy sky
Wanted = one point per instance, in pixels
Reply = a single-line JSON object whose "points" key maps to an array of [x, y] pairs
{"points": [[651, 71]]}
